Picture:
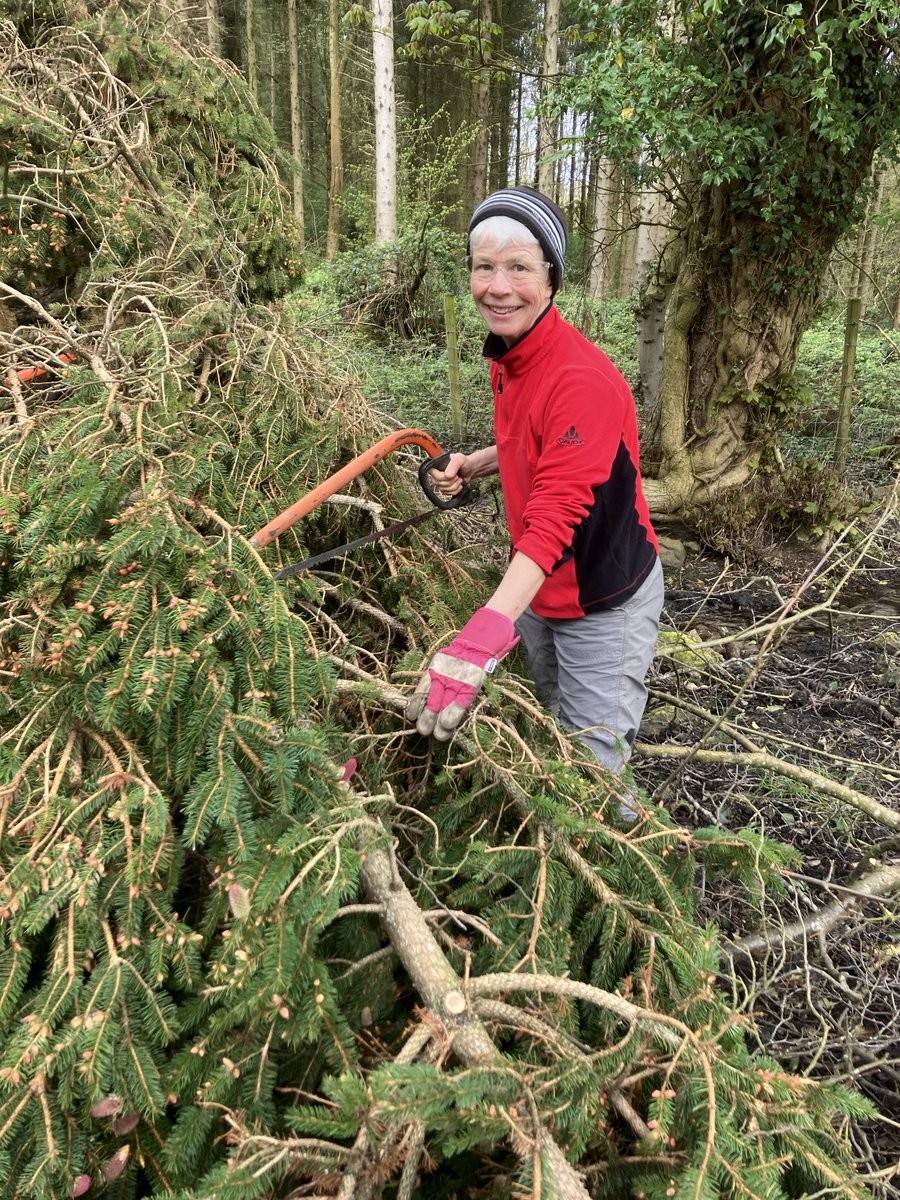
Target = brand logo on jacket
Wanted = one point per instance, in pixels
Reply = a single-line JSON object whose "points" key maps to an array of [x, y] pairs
{"points": [[570, 438]]}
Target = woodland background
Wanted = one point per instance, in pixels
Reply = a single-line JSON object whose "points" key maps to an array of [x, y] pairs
{"points": [[259, 939]]}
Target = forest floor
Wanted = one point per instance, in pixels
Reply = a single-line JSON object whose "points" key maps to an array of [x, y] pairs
{"points": [[821, 690], [798, 657]]}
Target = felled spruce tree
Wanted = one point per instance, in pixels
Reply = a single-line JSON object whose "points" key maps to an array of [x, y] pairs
{"points": [[233, 962]]}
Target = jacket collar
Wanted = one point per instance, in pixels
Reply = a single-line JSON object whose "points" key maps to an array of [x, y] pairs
{"points": [[530, 346]]}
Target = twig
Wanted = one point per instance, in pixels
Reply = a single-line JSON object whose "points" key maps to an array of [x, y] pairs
{"points": [[877, 885], [97, 365], [764, 761], [663, 1026], [21, 410], [629, 1114]]}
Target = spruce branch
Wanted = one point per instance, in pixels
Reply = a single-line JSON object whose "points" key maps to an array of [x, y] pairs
{"points": [[19, 406], [442, 992], [664, 1027], [330, 844], [629, 1114], [414, 1149], [355, 1173], [501, 1013], [259, 1154], [505, 778], [96, 363]]}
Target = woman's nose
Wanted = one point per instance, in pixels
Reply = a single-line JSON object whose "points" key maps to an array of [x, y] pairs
{"points": [[499, 282]]}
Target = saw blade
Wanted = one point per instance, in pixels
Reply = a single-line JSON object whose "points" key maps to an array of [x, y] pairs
{"points": [[368, 540]]}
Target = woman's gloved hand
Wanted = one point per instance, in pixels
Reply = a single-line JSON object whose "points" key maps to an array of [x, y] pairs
{"points": [[455, 674]]}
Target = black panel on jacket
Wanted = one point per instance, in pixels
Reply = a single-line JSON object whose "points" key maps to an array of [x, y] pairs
{"points": [[612, 552]]}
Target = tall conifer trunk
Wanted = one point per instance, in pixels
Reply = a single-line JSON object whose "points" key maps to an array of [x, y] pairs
{"points": [[482, 106], [335, 129], [250, 36], [628, 219], [385, 122], [605, 191], [501, 93], [546, 139], [296, 127], [213, 32]]}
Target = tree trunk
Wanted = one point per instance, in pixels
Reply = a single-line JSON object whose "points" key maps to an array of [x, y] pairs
{"points": [[313, 37], [335, 129], [586, 210], [385, 122], [654, 286], [626, 264], [574, 161], [250, 35], [272, 104], [482, 106], [845, 397], [443, 995], [213, 32], [606, 191], [518, 171], [546, 136], [861, 284], [730, 341], [296, 133], [501, 114]]}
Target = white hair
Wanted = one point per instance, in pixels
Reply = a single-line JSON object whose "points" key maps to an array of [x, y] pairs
{"points": [[503, 231]]}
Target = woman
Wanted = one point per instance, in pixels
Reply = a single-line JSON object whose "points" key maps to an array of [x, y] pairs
{"points": [[584, 586]]}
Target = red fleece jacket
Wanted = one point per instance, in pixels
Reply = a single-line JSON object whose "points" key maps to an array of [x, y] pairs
{"points": [[567, 447]]}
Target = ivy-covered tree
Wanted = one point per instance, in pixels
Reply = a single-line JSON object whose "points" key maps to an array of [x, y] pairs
{"points": [[761, 120]]}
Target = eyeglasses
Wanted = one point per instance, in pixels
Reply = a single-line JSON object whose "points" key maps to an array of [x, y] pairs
{"points": [[515, 270]]}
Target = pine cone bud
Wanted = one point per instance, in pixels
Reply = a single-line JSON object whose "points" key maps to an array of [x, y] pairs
{"points": [[239, 901], [126, 1123], [107, 1107], [113, 1167]]}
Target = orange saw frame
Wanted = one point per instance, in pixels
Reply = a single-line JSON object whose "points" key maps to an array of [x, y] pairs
{"points": [[334, 483]]}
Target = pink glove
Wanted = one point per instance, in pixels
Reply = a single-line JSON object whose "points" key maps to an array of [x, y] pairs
{"points": [[456, 674]]}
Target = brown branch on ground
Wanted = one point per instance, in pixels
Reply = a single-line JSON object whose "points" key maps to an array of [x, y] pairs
{"points": [[762, 760], [442, 991], [880, 884]]}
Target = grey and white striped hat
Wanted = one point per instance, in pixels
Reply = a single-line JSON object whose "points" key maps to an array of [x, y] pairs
{"points": [[538, 213]]}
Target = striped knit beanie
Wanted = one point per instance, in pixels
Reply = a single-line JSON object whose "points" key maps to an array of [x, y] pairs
{"points": [[538, 213]]}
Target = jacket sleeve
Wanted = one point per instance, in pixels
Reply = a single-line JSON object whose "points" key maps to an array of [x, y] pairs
{"points": [[577, 432]]}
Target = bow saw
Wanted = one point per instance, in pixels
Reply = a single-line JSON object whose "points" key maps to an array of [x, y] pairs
{"points": [[437, 460]]}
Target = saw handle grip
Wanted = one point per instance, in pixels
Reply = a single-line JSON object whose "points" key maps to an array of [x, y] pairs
{"points": [[468, 494]]}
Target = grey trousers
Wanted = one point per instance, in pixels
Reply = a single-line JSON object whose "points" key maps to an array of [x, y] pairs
{"points": [[590, 670]]}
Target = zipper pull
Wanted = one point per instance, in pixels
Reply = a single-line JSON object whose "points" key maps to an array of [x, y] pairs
{"points": [[500, 381]]}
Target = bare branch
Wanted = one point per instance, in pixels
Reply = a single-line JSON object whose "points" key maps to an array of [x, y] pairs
{"points": [[877, 885]]}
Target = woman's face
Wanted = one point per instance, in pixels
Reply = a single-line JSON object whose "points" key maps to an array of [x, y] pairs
{"points": [[511, 287]]}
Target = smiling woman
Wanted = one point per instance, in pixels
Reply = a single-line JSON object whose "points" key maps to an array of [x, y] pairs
{"points": [[512, 293], [583, 589]]}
